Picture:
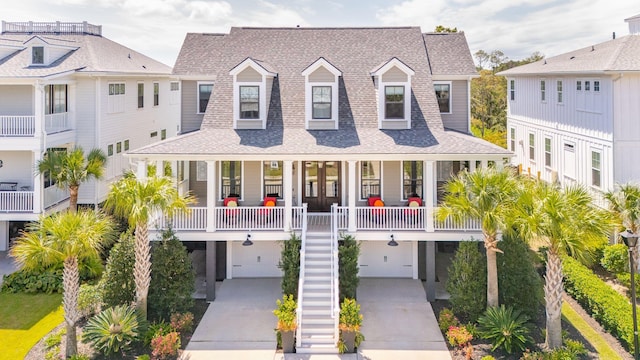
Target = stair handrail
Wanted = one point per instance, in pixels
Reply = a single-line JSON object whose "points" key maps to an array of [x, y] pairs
{"points": [[303, 240], [335, 303]]}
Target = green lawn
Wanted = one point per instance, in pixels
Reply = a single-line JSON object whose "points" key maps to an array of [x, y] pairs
{"points": [[25, 319], [592, 336]]}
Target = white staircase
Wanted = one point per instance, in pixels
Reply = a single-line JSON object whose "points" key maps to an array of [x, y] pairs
{"points": [[317, 331]]}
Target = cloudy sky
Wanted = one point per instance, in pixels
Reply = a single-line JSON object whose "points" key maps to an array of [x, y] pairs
{"points": [[517, 27]]}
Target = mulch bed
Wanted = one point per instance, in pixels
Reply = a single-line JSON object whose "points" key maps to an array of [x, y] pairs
{"points": [[482, 347], [38, 351]]}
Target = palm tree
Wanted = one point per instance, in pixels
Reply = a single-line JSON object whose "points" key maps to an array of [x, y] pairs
{"points": [[138, 200], [566, 222], [70, 169], [487, 196], [624, 203], [64, 237]]}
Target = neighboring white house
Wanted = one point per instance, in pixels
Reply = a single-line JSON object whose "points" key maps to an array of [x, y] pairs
{"points": [[64, 85], [305, 118], [575, 117]]}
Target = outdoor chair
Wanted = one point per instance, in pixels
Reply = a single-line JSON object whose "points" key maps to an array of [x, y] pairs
{"points": [[413, 213], [265, 213], [231, 212], [377, 213]]}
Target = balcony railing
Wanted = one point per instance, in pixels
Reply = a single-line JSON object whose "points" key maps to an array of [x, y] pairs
{"points": [[273, 218], [29, 27], [24, 126], [54, 196], [16, 201]]}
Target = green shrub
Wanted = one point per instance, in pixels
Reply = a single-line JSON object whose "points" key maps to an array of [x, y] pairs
{"points": [[447, 319], [89, 300], [172, 278], [517, 275], [117, 284], [467, 283], [155, 328], [112, 330], [506, 328], [181, 322], [286, 313], [54, 339], [575, 348], [143, 357], [350, 316], [46, 281], [348, 254], [488, 357], [290, 265], [79, 357], [625, 279], [53, 354], [605, 305], [615, 258]]}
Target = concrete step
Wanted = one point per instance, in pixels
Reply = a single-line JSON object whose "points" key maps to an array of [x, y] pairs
{"points": [[315, 302], [312, 320], [325, 263], [316, 295], [316, 285], [317, 349], [318, 256], [317, 271], [320, 310], [317, 330]]}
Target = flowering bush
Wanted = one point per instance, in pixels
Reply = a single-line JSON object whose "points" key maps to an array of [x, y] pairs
{"points": [[182, 321], [459, 336], [165, 346], [447, 319]]}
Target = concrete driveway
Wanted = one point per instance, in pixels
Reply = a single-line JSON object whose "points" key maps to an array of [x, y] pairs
{"points": [[7, 266], [399, 322], [239, 324]]}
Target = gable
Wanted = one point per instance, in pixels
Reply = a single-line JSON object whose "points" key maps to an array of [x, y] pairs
{"points": [[394, 75], [249, 75], [321, 74]]}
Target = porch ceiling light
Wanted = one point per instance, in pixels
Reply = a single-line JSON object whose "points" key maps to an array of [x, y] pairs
{"points": [[393, 241], [248, 241]]}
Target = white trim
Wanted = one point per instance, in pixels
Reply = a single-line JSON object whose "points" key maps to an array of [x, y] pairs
{"points": [[530, 145], [153, 94], [598, 151], [249, 62], [391, 63], [543, 92], [382, 102], [138, 107], [262, 99], [198, 94], [450, 95], [309, 102], [560, 91], [242, 176], [359, 178], [402, 198], [551, 162], [262, 193], [321, 62]]}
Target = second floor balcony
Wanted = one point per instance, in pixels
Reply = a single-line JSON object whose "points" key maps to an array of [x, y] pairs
{"points": [[25, 126]]}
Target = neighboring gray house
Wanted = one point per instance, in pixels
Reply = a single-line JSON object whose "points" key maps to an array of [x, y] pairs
{"points": [[573, 118], [64, 85], [323, 123]]}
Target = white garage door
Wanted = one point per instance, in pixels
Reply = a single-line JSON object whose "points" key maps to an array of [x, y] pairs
{"points": [[377, 259], [258, 260]]}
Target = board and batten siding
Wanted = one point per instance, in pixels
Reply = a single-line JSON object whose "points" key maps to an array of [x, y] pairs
{"points": [[566, 116], [458, 119], [85, 115], [16, 100], [626, 131], [191, 120], [583, 146], [18, 167]]}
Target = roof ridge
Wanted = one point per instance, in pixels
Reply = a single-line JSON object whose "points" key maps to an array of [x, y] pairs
{"points": [[614, 56], [325, 28]]}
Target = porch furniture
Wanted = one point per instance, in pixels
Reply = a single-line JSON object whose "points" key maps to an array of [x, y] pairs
{"points": [[8, 186], [264, 213], [413, 213], [232, 212], [378, 212]]}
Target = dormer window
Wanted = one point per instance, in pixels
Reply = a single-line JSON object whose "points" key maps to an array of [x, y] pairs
{"points": [[252, 83], [321, 95], [393, 85], [37, 55]]}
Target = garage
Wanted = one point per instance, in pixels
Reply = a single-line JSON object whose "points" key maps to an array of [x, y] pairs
{"points": [[377, 259], [258, 260]]}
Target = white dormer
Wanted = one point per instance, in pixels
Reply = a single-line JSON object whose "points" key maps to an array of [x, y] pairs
{"points": [[43, 53], [252, 83], [393, 84], [6, 49], [321, 95], [634, 25]]}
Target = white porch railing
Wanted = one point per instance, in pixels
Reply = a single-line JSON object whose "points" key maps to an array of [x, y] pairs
{"points": [[303, 244], [29, 27], [55, 123], [54, 195], [11, 125], [335, 274], [16, 201], [390, 218]]}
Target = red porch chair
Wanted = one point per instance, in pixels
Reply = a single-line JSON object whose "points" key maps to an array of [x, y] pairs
{"points": [[413, 214], [378, 212], [264, 214], [231, 212]]}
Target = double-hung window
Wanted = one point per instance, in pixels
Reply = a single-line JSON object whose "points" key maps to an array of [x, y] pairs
{"points": [[547, 151], [37, 55], [249, 102], [370, 175], [443, 94], [272, 179], [543, 90], [513, 139], [230, 178], [55, 99], [512, 90], [596, 168], [321, 102], [116, 97], [140, 95], [394, 102], [204, 93], [532, 146], [411, 179], [559, 89], [156, 94]]}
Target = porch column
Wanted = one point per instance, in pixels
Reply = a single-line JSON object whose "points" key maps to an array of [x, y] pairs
{"points": [[211, 197], [299, 175], [38, 108], [428, 189], [352, 195], [485, 164], [210, 261], [472, 166], [499, 164], [287, 182], [430, 261], [141, 170], [38, 203]]}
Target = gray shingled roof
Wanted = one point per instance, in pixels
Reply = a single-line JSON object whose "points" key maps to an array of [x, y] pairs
{"points": [[93, 54], [619, 55], [355, 51], [449, 54]]}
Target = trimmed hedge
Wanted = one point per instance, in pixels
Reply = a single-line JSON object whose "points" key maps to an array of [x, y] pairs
{"points": [[609, 308]]}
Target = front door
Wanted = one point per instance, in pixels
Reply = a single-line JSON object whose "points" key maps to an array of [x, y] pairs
{"points": [[321, 185]]}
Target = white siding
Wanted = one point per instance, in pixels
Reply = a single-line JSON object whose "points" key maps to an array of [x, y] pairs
{"points": [[16, 100], [627, 128], [17, 166]]}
